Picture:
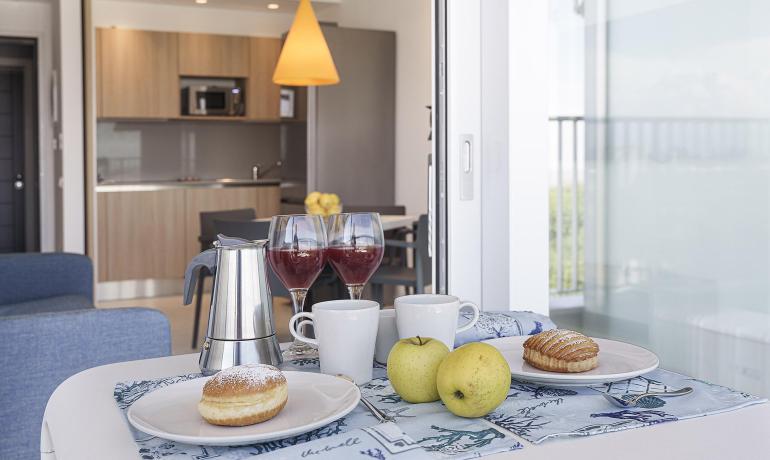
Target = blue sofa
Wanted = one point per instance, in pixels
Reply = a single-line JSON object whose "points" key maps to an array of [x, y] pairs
{"points": [[52, 331], [45, 282]]}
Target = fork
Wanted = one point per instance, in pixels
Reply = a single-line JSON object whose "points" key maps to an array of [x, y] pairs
{"points": [[378, 414], [632, 401]]}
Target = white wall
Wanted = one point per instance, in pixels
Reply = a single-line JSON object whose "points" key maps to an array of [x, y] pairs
{"points": [[410, 19], [72, 146], [33, 19]]}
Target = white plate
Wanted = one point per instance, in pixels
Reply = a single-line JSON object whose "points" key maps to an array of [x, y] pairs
{"points": [[617, 361], [314, 400]]}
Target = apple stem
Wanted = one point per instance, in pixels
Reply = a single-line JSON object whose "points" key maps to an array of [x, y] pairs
{"points": [[419, 340]]}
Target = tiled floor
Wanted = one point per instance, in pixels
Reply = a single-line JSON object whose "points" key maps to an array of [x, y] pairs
{"points": [[181, 318]]}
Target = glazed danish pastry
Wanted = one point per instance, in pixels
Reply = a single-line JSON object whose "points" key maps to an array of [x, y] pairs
{"points": [[560, 350]]}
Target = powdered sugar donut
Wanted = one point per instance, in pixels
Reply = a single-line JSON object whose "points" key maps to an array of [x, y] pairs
{"points": [[244, 395]]}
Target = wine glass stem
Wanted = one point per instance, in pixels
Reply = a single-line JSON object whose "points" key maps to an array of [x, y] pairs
{"points": [[355, 291], [298, 304]]}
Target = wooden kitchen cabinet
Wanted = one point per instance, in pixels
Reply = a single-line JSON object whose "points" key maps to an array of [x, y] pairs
{"points": [[268, 201], [141, 235], [207, 55], [137, 74], [154, 234], [263, 97], [264, 200]]}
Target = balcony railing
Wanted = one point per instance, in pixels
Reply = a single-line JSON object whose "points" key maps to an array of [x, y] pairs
{"points": [[566, 206], [630, 144]]}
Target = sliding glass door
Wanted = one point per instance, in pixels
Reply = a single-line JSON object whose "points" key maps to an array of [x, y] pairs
{"points": [[660, 210]]}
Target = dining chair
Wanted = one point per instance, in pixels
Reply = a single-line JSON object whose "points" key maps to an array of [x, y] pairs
{"points": [[416, 277], [252, 230], [207, 236], [393, 255], [326, 287]]}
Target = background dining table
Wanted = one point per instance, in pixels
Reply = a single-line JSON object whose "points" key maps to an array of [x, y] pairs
{"points": [[82, 421], [389, 222]]}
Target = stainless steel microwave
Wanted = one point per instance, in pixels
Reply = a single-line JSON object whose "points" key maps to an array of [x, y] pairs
{"points": [[212, 100]]}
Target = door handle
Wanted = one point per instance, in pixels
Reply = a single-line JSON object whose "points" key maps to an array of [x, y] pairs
{"points": [[466, 167], [18, 184]]}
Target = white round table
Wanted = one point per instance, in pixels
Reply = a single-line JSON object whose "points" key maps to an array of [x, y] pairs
{"points": [[82, 421]]}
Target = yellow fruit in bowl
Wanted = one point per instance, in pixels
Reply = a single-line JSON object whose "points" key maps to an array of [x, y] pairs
{"points": [[312, 198], [336, 209], [326, 200], [473, 380], [315, 209]]}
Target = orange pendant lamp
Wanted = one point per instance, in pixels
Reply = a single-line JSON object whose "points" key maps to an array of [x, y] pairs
{"points": [[305, 58]]}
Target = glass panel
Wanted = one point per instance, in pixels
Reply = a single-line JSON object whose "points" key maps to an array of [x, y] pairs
{"points": [[677, 184]]}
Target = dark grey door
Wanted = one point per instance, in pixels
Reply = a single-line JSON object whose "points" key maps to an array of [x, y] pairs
{"points": [[12, 219], [19, 207]]}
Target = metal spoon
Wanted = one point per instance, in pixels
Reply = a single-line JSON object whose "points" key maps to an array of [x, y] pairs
{"points": [[633, 400], [378, 414]]}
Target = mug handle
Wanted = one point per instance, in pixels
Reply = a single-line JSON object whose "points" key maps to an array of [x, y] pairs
{"points": [[293, 326], [473, 320]]}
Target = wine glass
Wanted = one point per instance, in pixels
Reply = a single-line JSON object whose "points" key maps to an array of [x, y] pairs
{"points": [[355, 248], [296, 251]]}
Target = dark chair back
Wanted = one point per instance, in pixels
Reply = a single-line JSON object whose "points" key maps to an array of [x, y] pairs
{"points": [[422, 261], [393, 256], [252, 230], [385, 210], [209, 232]]}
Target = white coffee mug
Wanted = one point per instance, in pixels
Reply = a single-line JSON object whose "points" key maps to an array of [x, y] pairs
{"points": [[387, 335], [345, 332], [432, 315]]}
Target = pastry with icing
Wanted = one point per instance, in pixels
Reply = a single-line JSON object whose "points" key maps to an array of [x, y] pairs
{"points": [[561, 350]]}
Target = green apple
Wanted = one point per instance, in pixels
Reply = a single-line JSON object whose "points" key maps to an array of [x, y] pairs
{"points": [[473, 380], [412, 367]]}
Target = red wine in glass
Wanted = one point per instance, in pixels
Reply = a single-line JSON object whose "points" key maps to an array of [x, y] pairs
{"points": [[297, 268], [296, 251], [355, 264], [355, 249]]}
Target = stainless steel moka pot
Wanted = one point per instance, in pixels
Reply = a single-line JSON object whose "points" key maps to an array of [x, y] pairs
{"points": [[241, 328]]}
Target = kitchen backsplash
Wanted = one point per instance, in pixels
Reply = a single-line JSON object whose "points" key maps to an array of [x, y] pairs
{"points": [[158, 151]]}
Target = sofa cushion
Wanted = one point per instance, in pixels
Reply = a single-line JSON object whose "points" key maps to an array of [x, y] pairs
{"points": [[41, 351], [28, 276], [48, 305]]}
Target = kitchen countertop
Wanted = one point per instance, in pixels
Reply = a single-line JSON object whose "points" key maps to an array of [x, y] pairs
{"points": [[149, 186]]}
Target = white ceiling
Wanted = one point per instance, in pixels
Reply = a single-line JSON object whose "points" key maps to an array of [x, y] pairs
{"points": [[285, 6]]}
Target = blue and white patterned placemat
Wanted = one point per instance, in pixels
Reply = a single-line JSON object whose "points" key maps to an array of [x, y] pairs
{"points": [[537, 413], [534, 412], [437, 434]]}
